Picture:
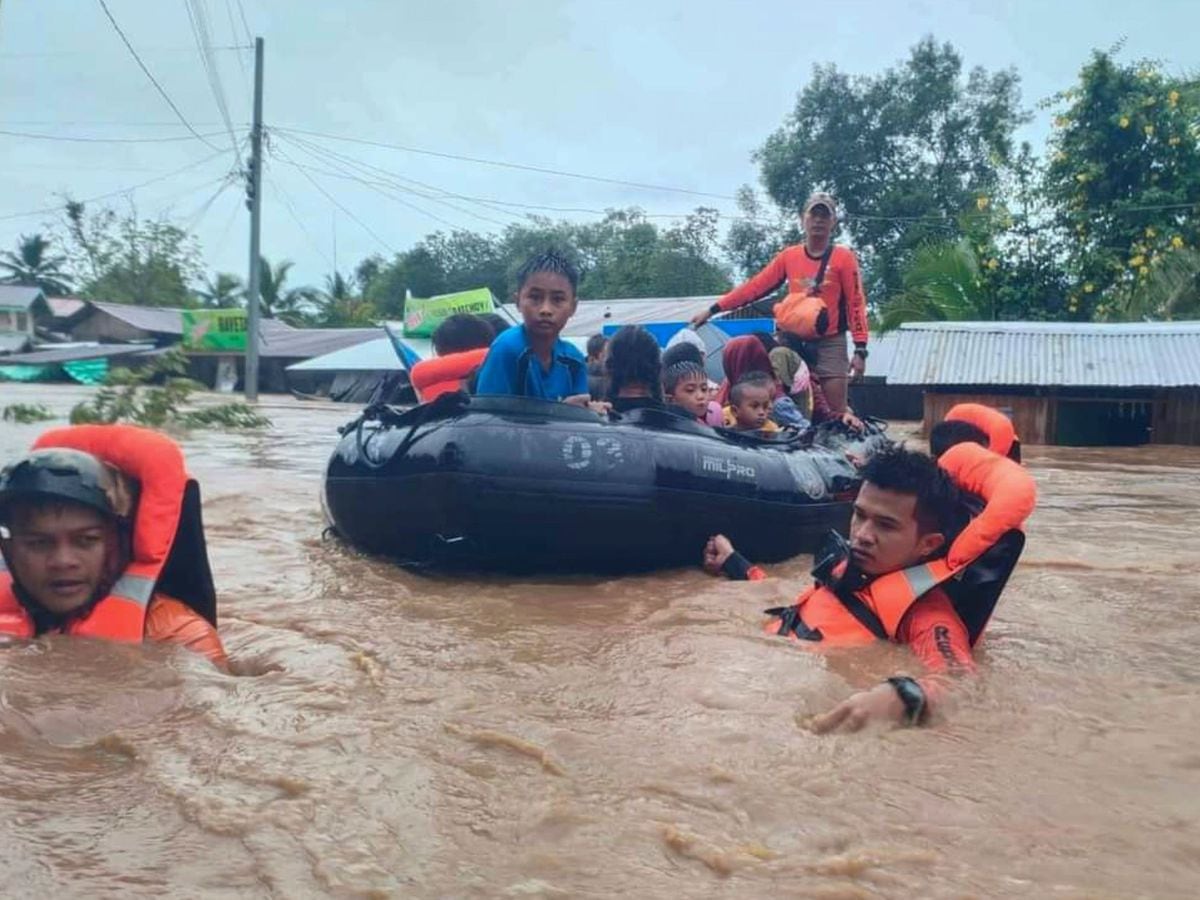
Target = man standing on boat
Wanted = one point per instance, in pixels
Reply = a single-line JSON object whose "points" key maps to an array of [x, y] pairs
{"points": [[825, 299]]}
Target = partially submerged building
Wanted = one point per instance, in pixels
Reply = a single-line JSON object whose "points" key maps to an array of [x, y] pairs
{"points": [[1061, 383]]}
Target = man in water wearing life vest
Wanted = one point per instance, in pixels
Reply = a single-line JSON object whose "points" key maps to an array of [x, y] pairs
{"points": [[825, 299], [911, 574], [97, 524]]}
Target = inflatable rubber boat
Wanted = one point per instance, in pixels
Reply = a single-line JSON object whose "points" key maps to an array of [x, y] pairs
{"points": [[516, 484]]}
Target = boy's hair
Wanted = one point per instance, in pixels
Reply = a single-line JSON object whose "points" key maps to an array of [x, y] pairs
{"points": [[595, 345], [939, 504], [462, 331], [681, 371], [548, 260], [750, 380], [497, 322], [684, 351], [951, 432], [633, 357]]}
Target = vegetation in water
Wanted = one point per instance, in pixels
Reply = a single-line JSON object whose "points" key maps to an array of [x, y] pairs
{"points": [[156, 396], [26, 413]]}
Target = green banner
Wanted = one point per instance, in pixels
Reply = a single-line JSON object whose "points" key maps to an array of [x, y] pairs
{"points": [[214, 330], [421, 317]]}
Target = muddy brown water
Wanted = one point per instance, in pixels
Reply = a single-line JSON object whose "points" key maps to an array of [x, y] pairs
{"points": [[388, 734]]}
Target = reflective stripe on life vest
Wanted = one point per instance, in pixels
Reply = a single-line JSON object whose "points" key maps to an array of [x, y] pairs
{"points": [[433, 377]]}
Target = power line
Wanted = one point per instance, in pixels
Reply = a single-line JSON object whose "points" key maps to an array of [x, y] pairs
{"points": [[233, 31], [91, 139], [198, 19], [507, 165], [376, 186], [287, 202], [121, 191], [334, 201], [153, 80]]}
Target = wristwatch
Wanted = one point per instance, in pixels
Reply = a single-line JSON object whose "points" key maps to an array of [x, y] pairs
{"points": [[912, 695], [861, 350]]}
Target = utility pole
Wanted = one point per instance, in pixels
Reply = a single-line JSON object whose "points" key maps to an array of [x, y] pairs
{"points": [[254, 190]]}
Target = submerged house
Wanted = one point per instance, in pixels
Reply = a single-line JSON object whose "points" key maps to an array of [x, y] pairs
{"points": [[1078, 384]]}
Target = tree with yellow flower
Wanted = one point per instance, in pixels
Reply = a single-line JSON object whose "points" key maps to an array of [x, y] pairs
{"points": [[1124, 177]]}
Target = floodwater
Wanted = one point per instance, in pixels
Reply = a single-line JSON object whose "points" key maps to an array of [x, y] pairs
{"points": [[389, 734]]}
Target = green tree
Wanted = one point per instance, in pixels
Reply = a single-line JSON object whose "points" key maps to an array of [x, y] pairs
{"points": [[291, 305], [226, 291], [943, 281], [125, 259], [1124, 176], [906, 152], [32, 266], [338, 306]]}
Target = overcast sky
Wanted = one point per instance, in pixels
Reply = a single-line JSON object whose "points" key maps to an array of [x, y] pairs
{"points": [[659, 92]]}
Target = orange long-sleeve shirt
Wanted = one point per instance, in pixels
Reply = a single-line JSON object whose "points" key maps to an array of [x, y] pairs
{"points": [[841, 288], [171, 621], [931, 629]]}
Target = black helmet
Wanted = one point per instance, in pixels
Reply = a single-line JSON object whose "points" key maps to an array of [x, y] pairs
{"points": [[62, 474]]}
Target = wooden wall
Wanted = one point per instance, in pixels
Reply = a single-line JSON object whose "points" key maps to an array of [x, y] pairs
{"points": [[1177, 417], [1033, 417]]}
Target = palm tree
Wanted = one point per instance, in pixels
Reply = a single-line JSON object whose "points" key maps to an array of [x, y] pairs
{"points": [[31, 266], [943, 282], [338, 306], [226, 292], [290, 305]]}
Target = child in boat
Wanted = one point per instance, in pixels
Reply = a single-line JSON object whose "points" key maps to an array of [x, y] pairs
{"points": [[532, 360], [685, 388], [633, 366], [461, 344], [750, 402], [685, 351]]}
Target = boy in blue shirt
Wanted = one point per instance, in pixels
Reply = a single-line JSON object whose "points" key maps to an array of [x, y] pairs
{"points": [[530, 360]]}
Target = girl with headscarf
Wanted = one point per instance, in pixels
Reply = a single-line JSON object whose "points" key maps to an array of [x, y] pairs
{"points": [[744, 355]]}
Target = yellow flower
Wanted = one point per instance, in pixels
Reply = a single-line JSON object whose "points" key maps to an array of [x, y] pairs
{"points": [[1174, 142], [1082, 177], [1124, 121], [1149, 129], [1173, 97], [1088, 287], [1149, 101], [993, 264], [1176, 242], [981, 203], [1060, 156], [1136, 261], [1144, 271], [1150, 232], [1060, 121]]}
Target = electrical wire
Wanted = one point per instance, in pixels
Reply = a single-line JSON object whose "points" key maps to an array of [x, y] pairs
{"points": [[75, 139], [287, 203], [175, 109], [198, 19]]}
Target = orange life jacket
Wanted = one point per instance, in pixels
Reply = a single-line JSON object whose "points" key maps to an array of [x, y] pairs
{"points": [[973, 572], [1002, 437], [156, 462], [433, 377]]}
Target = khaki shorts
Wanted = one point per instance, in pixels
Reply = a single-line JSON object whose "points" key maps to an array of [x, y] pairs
{"points": [[833, 370]]}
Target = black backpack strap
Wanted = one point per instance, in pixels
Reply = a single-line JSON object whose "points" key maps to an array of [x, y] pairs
{"points": [[820, 279], [866, 617], [524, 361]]}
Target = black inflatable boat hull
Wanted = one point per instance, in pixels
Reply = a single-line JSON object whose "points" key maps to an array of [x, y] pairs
{"points": [[524, 485]]}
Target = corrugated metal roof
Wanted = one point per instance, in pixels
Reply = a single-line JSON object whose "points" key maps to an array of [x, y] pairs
{"points": [[280, 341], [1051, 354], [73, 354], [592, 315], [16, 296], [370, 356], [156, 319], [65, 307]]}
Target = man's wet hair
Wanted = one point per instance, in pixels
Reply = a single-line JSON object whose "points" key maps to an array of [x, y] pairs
{"points": [[750, 380], [633, 358], [684, 351], [462, 331], [549, 260], [498, 323], [681, 371], [595, 345], [939, 506], [951, 432]]}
